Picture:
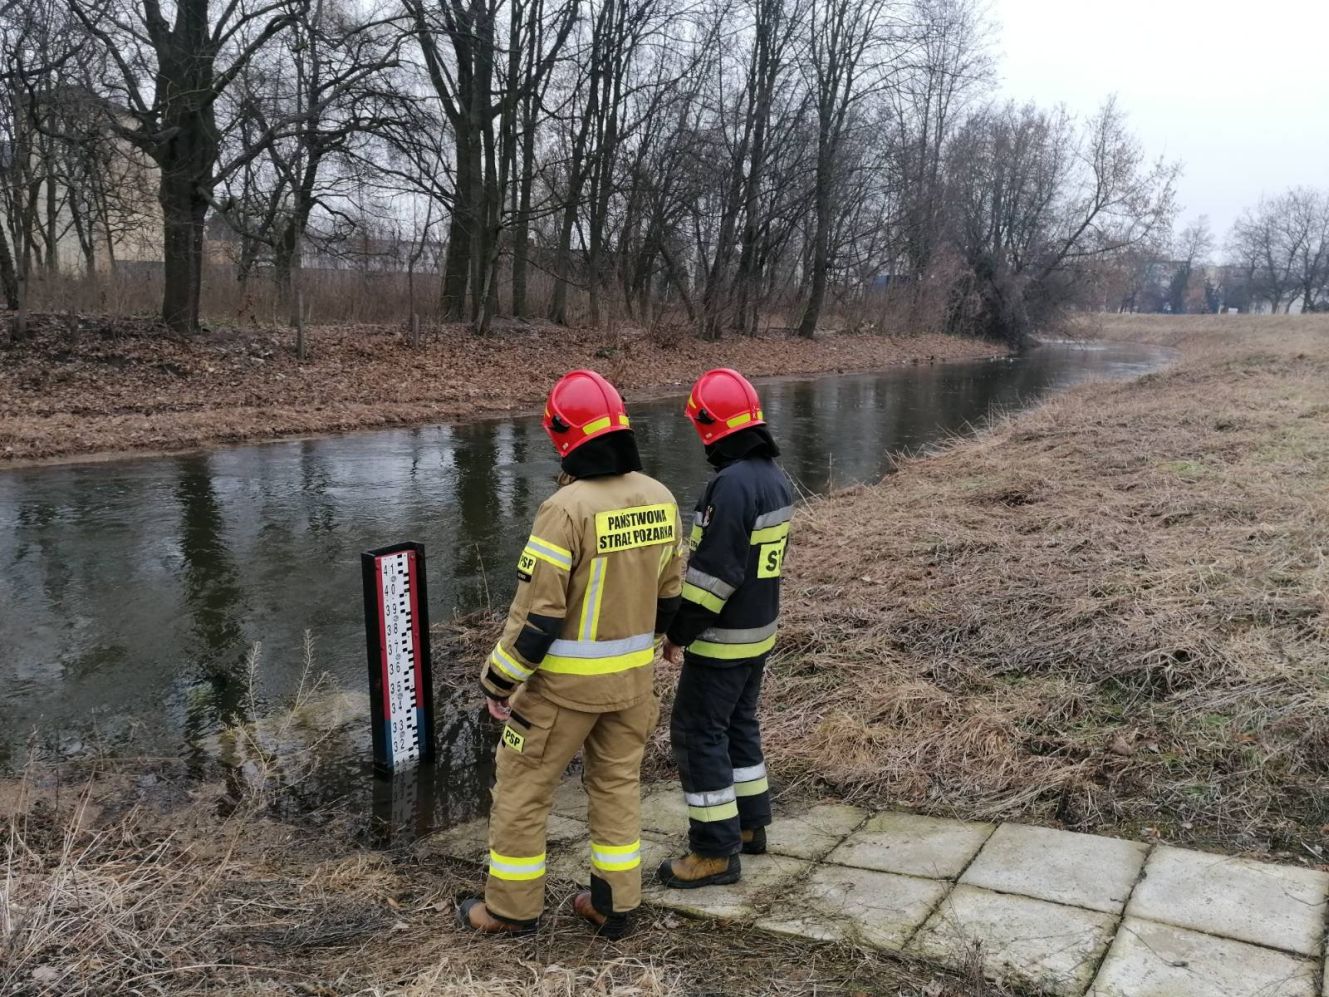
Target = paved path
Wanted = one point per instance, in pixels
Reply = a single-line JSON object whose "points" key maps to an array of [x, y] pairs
{"points": [[1072, 914]]}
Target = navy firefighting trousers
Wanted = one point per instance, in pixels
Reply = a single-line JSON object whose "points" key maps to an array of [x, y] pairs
{"points": [[716, 741]]}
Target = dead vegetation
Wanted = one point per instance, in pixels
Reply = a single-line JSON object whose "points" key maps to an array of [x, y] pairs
{"points": [[106, 893], [1110, 613], [96, 385]]}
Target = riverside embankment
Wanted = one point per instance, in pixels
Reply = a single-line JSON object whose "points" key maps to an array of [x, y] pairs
{"points": [[117, 385]]}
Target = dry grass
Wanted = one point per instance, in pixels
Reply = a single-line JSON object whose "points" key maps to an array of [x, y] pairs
{"points": [[1111, 612], [109, 894], [121, 384]]}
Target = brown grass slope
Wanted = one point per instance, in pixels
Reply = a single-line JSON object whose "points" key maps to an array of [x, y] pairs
{"points": [[104, 891], [1110, 612]]}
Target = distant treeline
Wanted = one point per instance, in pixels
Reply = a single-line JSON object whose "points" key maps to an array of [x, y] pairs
{"points": [[728, 163]]}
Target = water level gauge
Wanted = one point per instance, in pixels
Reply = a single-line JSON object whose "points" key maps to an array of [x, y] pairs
{"points": [[401, 691]]}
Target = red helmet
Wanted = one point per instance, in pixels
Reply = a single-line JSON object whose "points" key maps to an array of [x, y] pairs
{"points": [[582, 406], [722, 402]]}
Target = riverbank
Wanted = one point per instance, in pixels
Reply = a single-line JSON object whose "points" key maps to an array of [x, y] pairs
{"points": [[1109, 613], [145, 881], [122, 385]]}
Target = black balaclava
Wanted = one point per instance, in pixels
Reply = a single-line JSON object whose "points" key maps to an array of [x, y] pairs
{"points": [[754, 442], [613, 453]]}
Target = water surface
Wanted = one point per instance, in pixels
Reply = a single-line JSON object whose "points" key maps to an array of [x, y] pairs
{"points": [[133, 592]]}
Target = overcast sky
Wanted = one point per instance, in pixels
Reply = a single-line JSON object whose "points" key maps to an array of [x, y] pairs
{"points": [[1239, 92]]}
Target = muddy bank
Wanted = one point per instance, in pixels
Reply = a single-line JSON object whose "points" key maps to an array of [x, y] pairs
{"points": [[1108, 613], [119, 385]]}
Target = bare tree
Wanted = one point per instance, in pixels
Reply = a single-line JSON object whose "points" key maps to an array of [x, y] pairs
{"points": [[1191, 249], [1034, 201], [842, 63], [191, 61]]}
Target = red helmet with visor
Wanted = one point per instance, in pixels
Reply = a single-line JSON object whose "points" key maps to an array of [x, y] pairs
{"points": [[721, 403], [583, 406]]}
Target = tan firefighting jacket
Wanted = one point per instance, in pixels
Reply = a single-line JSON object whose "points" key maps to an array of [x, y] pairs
{"points": [[597, 585]]}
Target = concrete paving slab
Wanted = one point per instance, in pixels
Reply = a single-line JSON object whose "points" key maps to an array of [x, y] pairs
{"points": [[570, 798], [663, 809], [1148, 959], [836, 903], [765, 878], [1083, 870], [1019, 939], [1274, 905], [469, 841], [913, 845], [813, 833]]}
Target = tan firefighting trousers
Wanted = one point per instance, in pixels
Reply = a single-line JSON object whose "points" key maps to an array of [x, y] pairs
{"points": [[538, 742]]}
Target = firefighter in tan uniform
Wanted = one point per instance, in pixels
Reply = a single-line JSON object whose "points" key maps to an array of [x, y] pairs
{"points": [[599, 582]]}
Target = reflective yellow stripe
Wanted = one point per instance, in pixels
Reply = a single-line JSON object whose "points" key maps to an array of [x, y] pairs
{"points": [[616, 858], [596, 425], [508, 664], [694, 593], [731, 652], [754, 788], [739, 420], [563, 665], [550, 553], [624, 421], [517, 868], [770, 534], [708, 814]]}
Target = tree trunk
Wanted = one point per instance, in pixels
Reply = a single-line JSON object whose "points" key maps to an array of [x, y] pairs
{"points": [[457, 266], [183, 215], [8, 274], [821, 251]]}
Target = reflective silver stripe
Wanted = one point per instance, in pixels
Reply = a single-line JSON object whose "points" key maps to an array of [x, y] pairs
{"points": [[720, 635], [711, 799], [601, 648], [716, 586], [553, 553], [590, 611], [535, 868], [774, 518], [750, 773]]}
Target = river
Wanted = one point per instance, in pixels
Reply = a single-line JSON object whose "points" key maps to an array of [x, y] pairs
{"points": [[132, 592]]}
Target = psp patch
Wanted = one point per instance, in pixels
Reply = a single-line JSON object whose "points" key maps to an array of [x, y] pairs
{"points": [[515, 741], [640, 526], [525, 566]]}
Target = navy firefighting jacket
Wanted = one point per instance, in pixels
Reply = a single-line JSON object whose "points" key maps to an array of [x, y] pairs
{"points": [[731, 593]]}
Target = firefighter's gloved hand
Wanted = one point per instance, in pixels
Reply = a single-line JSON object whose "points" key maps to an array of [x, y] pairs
{"points": [[672, 653], [498, 709]]}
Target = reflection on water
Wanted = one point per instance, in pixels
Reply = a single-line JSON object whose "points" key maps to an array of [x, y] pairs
{"points": [[132, 591]]}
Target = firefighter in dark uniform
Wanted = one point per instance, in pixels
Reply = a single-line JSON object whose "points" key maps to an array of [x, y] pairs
{"points": [[597, 586], [724, 630]]}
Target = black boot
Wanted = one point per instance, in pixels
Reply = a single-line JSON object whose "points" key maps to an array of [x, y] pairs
{"points": [[754, 841]]}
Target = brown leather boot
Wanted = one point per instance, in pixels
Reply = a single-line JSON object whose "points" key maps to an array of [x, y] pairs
{"points": [[693, 870], [472, 914], [611, 926], [754, 841]]}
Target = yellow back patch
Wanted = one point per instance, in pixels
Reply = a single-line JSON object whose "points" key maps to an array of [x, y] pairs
{"points": [[770, 559], [640, 526], [515, 741]]}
